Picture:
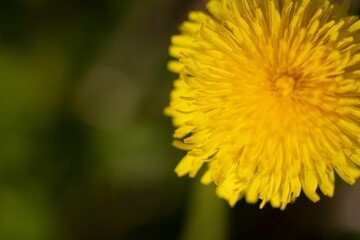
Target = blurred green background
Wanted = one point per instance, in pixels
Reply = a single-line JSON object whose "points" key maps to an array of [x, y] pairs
{"points": [[85, 151]]}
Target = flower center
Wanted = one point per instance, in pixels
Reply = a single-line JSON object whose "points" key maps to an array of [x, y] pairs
{"points": [[284, 85]]}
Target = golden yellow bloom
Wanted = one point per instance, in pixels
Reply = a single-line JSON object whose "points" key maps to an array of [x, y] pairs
{"points": [[268, 98]]}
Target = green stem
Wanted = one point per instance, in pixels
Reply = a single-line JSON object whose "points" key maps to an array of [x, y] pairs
{"points": [[207, 216]]}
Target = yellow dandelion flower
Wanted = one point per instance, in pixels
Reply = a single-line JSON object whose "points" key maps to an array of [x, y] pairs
{"points": [[268, 98]]}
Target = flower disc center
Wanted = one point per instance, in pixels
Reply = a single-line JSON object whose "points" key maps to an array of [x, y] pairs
{"points": [[284, 85]]}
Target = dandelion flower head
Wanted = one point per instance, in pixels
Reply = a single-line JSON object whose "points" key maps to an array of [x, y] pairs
{"points": [[267, 98]]}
